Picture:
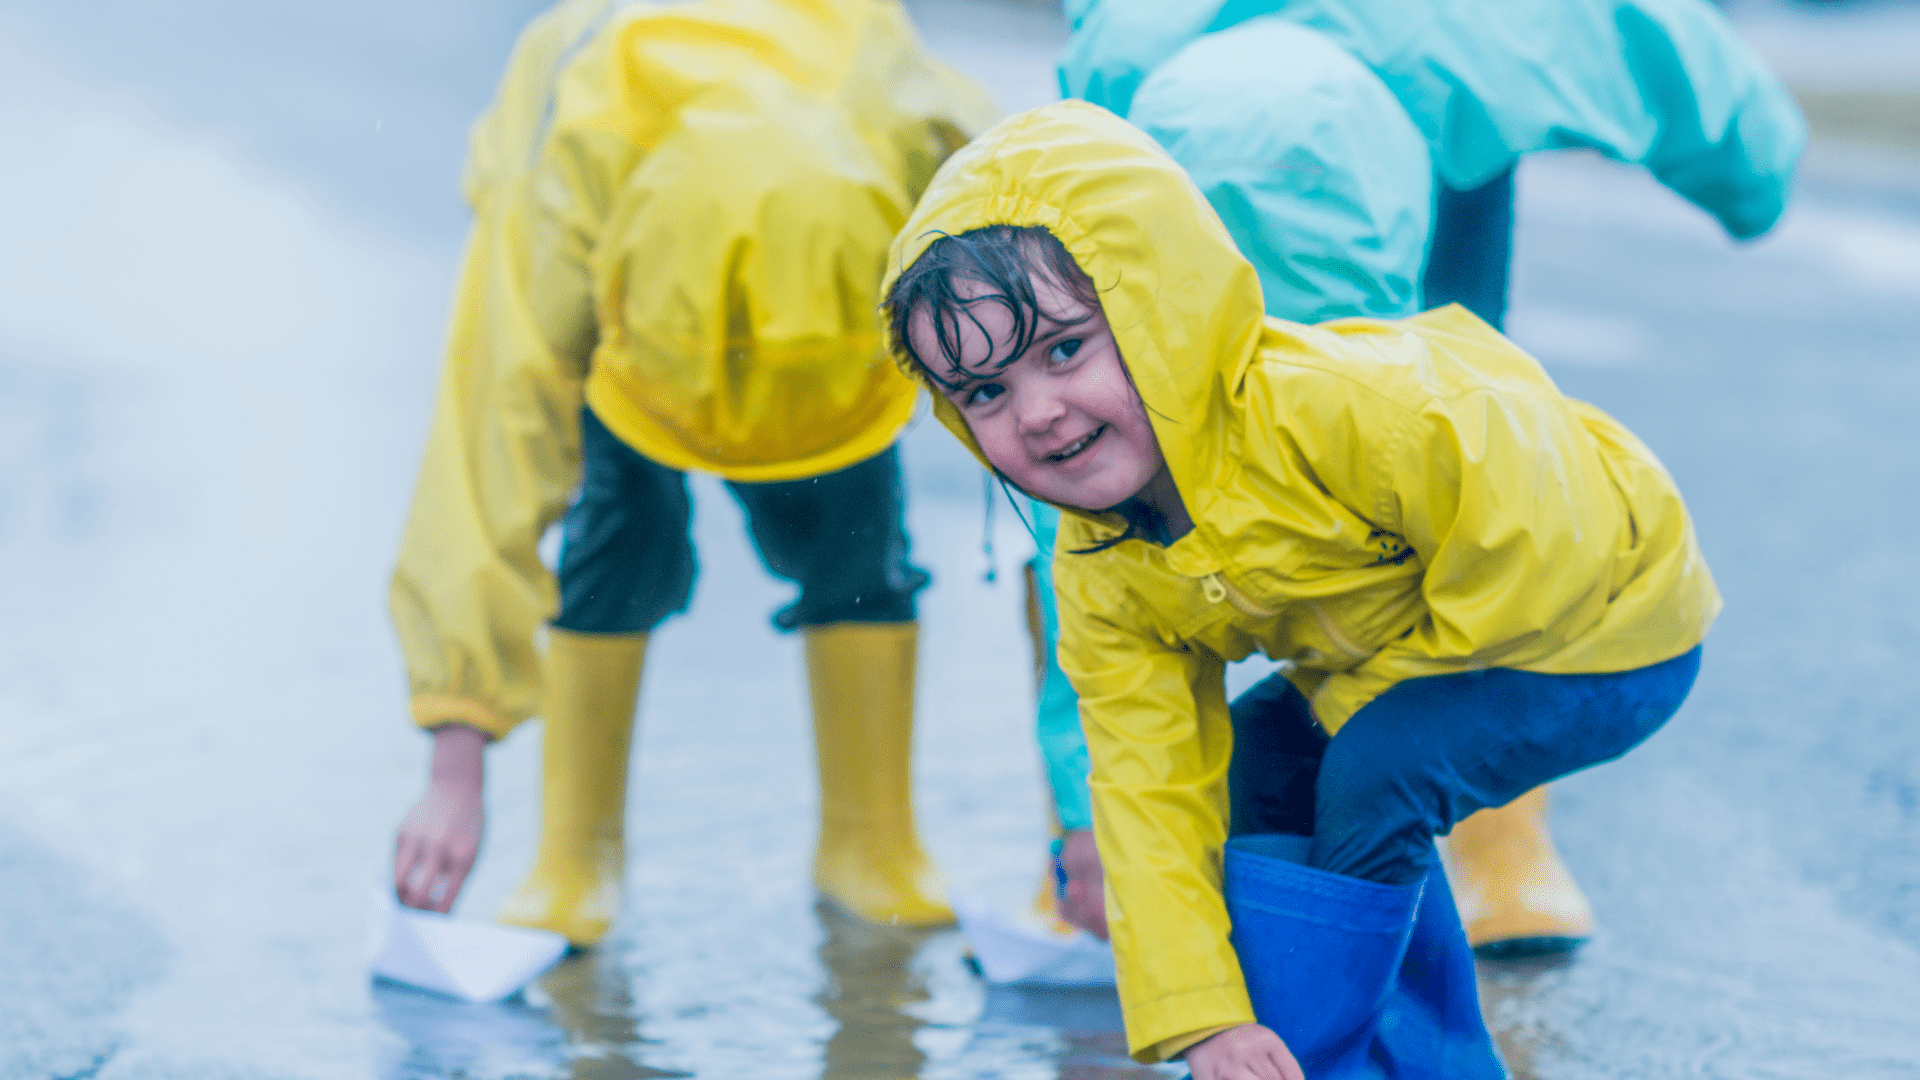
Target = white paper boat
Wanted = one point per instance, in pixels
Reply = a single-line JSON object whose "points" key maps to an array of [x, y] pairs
{"points": [[463, 958], [1015, 951]]}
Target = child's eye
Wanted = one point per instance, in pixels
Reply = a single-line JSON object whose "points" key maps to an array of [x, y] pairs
{"points": [[1063, 351], [984, 393]]}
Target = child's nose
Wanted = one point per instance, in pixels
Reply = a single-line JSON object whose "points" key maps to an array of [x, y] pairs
{"points": [[1038, 412]]}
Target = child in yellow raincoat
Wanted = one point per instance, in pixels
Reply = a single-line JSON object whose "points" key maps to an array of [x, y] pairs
{"points": [[682, 214], [1479, 586], [1333, 137]]}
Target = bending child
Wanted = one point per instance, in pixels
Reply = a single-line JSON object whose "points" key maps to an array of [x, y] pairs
{"points": [[1480, 586], [682, 215], [1316, 128]]}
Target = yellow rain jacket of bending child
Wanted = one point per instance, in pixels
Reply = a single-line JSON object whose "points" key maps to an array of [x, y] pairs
{"points": [[1372, 500], [610, 264]]}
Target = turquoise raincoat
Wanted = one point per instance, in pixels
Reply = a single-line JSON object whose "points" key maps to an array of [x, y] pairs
{"points": [[1324, 184], [1661, 83]]}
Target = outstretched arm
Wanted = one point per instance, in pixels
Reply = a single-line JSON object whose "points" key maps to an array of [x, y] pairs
{"points": [[1159, 738], [470, 591]]}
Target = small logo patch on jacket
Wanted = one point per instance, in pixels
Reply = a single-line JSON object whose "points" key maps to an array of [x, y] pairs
{"points": [[1390, 550]]}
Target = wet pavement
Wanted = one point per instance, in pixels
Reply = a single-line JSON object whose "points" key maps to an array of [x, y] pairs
{"points": [[220, 303]]}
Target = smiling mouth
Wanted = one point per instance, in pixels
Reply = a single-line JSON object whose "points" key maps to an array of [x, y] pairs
{"points": [[1078, 445]]}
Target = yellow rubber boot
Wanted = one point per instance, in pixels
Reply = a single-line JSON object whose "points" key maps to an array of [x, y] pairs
{"points": [[869, 861], [592, 686], [1515, 896]]}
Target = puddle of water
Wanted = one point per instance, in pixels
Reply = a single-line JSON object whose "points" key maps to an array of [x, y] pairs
{"points": [[900, 1003], [1509, 993]]}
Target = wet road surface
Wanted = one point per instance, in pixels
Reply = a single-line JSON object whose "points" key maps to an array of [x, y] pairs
{"points": [[220, 304]]}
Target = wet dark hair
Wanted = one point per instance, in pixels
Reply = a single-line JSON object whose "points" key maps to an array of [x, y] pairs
{"points": [[1004, 259]]}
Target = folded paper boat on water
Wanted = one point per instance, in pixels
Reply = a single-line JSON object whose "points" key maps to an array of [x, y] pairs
{"points": [[1015, 951], [463, 958]]}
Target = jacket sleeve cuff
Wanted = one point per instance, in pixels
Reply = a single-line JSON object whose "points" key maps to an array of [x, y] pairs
{"points": [[433, 710], [1191, 1016], [1168, 1049]]}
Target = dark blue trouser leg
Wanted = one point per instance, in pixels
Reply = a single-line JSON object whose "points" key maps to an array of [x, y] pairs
{"points": [[842, 538], [1471, 251], [1311, 913], [627, 561], [1429, 752]]}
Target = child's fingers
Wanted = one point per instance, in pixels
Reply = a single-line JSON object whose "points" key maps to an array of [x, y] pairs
{"points": [[440, 892], [419, 880], [455, 869], [402, 860], [1284, 1065], [406, 870]]}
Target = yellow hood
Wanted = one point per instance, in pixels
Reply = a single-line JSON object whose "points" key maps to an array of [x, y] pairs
{"points": [[1373, 501], [737, 292], [1184, 304], [737, 171]]}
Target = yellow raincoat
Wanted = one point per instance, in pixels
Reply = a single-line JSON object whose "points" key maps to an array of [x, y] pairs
{"points": [[682, 213], [1372, 500]]}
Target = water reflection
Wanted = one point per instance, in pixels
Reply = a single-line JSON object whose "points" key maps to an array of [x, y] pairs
{"points": [[578, 1021], [592, 994], [1511, 993], [1077, 1032], [442, 1037], [901, 1001], [873, 987]]}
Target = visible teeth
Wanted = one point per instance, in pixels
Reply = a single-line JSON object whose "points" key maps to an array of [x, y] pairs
{"points": [[1078, 446]]}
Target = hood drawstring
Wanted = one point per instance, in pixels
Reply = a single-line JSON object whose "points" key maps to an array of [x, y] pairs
{"points": [[986, 530], [986, 534]]}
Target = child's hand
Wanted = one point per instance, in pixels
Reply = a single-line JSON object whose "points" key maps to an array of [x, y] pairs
{"points": [[440, 836], [1085, 905], [1247, 1052]]}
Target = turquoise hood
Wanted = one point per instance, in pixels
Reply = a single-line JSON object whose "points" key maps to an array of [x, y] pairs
{"points": [[1311, 163], [1662, 83]]}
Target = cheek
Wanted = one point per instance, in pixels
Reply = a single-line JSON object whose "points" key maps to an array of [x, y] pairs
{"points": [[999, 442], [1120, 405], [1107, 392]]}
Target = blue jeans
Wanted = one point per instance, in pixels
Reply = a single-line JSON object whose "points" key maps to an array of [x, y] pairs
{"points": [[1427, 753]]}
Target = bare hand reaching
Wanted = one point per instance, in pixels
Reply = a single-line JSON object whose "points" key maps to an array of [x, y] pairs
{"points": [[1247, 1052], [440, 836], [1085, 905]]}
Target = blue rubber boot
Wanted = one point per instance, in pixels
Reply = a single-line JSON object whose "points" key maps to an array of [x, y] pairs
{"points": [[1432, 1026], [1321, 952], [1362, 981]]}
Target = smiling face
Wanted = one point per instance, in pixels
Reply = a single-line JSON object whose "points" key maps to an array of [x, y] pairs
{"points": [[1054, 412]]}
